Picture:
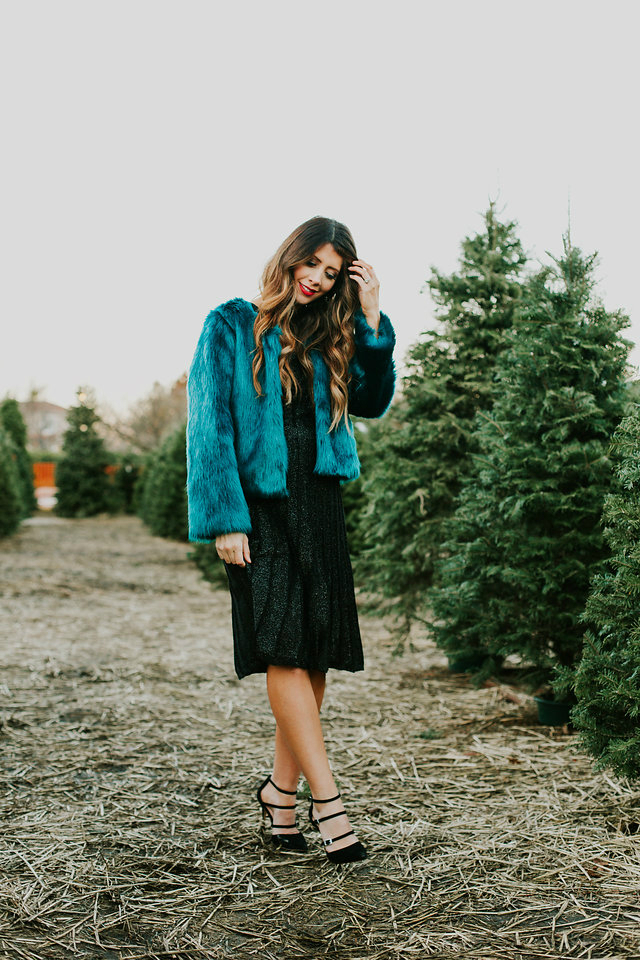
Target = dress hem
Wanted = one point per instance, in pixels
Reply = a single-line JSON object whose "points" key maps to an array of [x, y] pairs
{"points": [[297, 666]]}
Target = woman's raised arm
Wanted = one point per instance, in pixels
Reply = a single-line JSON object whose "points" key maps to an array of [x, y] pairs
{"points": [[373, 375]]}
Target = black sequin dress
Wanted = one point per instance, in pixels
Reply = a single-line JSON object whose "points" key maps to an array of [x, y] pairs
{"points": [[294, 605]]}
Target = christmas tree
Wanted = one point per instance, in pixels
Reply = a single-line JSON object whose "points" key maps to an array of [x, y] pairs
{"points": [[607, 679], [163, 502], [12, 422], [353, 497], [526, 537], [11, 506], [421, 449], [83, 485], [125, 481]]}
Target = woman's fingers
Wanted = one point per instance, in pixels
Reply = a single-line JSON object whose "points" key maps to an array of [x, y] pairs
{"points": [[368, 287], [230, 547], [362, 269]]}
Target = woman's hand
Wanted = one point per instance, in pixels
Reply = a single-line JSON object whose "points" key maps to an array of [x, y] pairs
{"points": [[233, 548], [369, 292]]}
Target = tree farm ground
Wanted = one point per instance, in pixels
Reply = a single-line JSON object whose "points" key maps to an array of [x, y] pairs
{"points": [[130, 755]]}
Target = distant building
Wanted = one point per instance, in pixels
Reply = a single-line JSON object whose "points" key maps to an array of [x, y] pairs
{"points": [[46, 424]]}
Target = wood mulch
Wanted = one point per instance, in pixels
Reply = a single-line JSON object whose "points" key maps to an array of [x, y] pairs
{"points": [[130, 754]]}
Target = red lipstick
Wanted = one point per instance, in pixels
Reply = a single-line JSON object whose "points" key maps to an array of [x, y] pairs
{"points": [[305, 290]]}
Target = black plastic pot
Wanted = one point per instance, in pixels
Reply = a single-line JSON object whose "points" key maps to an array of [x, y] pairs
{"points": [[553, 713]]}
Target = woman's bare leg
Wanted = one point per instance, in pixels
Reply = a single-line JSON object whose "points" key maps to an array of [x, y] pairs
{"points": [[293, 701], [286, 769]]}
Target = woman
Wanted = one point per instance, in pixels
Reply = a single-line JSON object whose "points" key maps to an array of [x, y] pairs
{"points": [[269, 441]]}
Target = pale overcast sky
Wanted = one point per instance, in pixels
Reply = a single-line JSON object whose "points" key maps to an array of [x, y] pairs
{"points": [[156, 153]]}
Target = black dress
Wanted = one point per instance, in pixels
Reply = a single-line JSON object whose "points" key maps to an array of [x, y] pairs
{"points": [[294, 604]]}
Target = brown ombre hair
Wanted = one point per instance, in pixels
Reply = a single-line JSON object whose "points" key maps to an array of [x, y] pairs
{"points": [[326, 324]]}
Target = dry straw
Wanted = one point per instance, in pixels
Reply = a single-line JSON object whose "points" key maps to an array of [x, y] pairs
{"points": [[130, 757]]}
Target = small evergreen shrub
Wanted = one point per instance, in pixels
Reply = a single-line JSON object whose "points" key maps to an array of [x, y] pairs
{"points": [[209, 563], [163, 500], [11, 505], [12, 421], [353, 497], [607, 679], [125, 481], [84, 488]]}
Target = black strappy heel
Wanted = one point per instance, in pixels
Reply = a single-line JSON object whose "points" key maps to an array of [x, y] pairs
{"points": [[349, 854], [283, 841]]}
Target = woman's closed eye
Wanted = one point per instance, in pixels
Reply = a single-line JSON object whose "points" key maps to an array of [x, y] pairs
{"points": [[329, 276]]}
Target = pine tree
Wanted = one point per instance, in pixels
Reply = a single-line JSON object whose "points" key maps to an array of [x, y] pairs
{"points": [[607, 679], [12, 421], [633, 386], [526, 538], [353, 496], [420, 450], [125, 481], [83, 485], [11, 506], [206, 559], [163, 503]]}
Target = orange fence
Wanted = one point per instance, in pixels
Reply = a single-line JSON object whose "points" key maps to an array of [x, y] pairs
{"points": [[44, 474]]}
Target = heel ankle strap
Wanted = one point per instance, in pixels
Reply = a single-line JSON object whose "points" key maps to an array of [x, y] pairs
{"points": [[331, 840], [331, 816], [291, 793], [313, 799]]}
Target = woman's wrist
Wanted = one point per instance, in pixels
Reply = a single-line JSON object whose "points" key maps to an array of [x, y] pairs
{"points": [[374, 321]]}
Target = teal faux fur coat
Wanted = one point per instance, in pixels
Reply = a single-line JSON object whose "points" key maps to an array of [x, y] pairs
{"points": [[235, 439]]}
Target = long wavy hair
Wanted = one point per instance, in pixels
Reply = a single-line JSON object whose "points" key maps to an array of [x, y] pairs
{"points": [[325, 325]]}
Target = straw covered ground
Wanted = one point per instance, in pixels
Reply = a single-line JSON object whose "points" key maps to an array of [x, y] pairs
{"points": [[131, 754]]}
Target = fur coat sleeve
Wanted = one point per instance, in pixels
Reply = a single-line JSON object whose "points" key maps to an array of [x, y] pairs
{"points": [[216, 500], [373, 375]]}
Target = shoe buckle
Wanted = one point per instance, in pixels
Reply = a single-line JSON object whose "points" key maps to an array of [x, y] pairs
{"points": [[327, 842]]}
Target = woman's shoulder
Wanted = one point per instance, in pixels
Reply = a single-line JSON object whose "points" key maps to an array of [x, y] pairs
{"points": [[232, 312], [239, 304]]}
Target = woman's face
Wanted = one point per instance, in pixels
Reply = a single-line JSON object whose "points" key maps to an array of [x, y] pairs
{"points": [[317, 275]]}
